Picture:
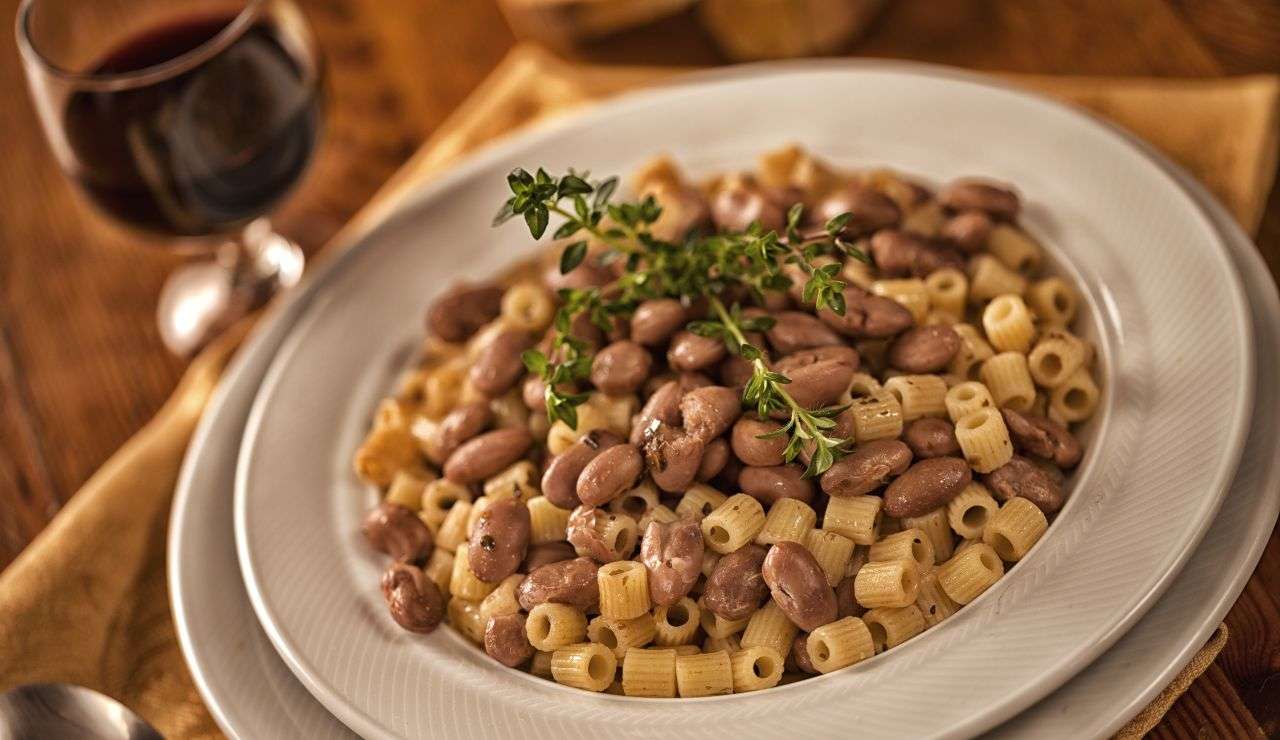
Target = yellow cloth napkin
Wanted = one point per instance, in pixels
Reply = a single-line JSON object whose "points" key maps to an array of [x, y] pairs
{"points": [[87, 602]]}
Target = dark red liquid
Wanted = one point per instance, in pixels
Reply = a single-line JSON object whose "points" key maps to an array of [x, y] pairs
{"points": [[203, 151]]}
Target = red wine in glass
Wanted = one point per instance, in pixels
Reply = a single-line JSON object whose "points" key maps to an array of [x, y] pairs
{"points": [[203, 151]]}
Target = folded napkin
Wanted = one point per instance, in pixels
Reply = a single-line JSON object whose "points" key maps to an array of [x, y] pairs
{"points": [[87, 601]]}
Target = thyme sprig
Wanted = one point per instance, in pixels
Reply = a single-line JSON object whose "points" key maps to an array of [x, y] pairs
{"points": [[699, 266]]}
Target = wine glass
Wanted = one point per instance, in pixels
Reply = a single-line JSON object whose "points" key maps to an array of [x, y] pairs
{"points": [[187, 120]]}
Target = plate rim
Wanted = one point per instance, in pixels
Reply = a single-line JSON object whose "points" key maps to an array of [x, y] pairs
{"points": [[1244, 396]]}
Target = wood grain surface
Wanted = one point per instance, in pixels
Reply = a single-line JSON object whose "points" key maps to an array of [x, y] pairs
{"points": [[82, 367]]}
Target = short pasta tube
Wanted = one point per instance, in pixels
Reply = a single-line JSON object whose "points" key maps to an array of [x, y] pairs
{"points": [[1014, 248], [729, 644], [619, 531], [733, 524], [857, 272], [832, 550], [756, 668], [788, 520], [864, 384], [769, 626], [636, 502], [989, 277], [967, 397], [969, 572], [586, 666], [974, 350], [502, 599], [888, 583], [509, 412], [465, 617], [699, 501], [948, 290], [936, 527], [717, 626], [909, 544], [971, 509], [477, 508], [464, 583], [385, 452], [910, 293], [1013, 529], [689, 649], [1009, 381], [624, 589], [439, 497], [984, 440], [839, 644], [932, 601], [1053, 301], [649, 672], [553, 626], [406, 490], [1008, 324], [1057, 356], [660, 514], [527, 306], [439, 568], [919, 395], [547, 522], [676, 624], [890, 627], [442, 387], [519, 481], [855, 517], [877, 415], [622, 635], [1075, 399], [705, 674]]}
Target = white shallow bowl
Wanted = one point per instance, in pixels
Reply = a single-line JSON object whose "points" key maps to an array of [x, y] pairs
{"points": [[1157, 468], [252, 694]]}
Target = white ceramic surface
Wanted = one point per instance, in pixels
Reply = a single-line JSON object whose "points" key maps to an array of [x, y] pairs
{"points": [[1140, 246]]}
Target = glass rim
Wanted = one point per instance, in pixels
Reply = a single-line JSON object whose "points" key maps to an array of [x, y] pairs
{"points": [[148, 75]]}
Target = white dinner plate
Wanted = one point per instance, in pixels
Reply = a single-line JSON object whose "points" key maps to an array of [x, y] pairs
{"points": [[1165, 308]]}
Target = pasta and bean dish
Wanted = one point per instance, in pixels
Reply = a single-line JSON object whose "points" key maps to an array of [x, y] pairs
{"points": [[729, 433]]}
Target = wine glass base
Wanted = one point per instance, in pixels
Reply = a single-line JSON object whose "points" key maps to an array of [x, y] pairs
{"points": [[201, 300]]}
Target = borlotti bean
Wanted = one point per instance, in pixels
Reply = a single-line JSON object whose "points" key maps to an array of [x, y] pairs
{"points": [[673, 540]]}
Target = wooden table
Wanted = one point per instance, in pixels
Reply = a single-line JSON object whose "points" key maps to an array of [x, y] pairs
{"points": [[81, 365]]}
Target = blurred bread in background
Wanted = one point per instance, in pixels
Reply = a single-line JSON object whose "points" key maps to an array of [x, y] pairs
{"points": [[744, 29]]}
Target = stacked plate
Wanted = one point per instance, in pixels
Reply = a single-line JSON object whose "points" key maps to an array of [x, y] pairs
{"points": [[277, 601]]}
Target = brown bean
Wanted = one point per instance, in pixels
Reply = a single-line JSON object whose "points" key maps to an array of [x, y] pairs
{"points": [[926, 486], [560, 480], [715, 455], [867, 316], [751, 449], [768, 484], [735, 207], [846, 604], [483, 456], [899, 254], [800, 654], [458, 426], [586, 524], [571, 582], [691, 352], [736, 587], [799, 585], [613, 471], [870, 209], [620, 368], [662, 408], [868, 467], [736, 371], [673, 457], [793, 331], [656, 320], [977, 195], [534, 393], [505, 640], [498, 366], [924, 349], [820, 384], [1044, 438], [968, 230], [462, 310], [499, 540], [708, 412], [931, 437], [841, 353], [1021, 477], [545, 554], [413, 599], [672, 553], [589, 274], [397, 531]]}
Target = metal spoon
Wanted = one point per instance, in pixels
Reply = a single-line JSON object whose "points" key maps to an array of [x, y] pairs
{"points": [[58, 710]]}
